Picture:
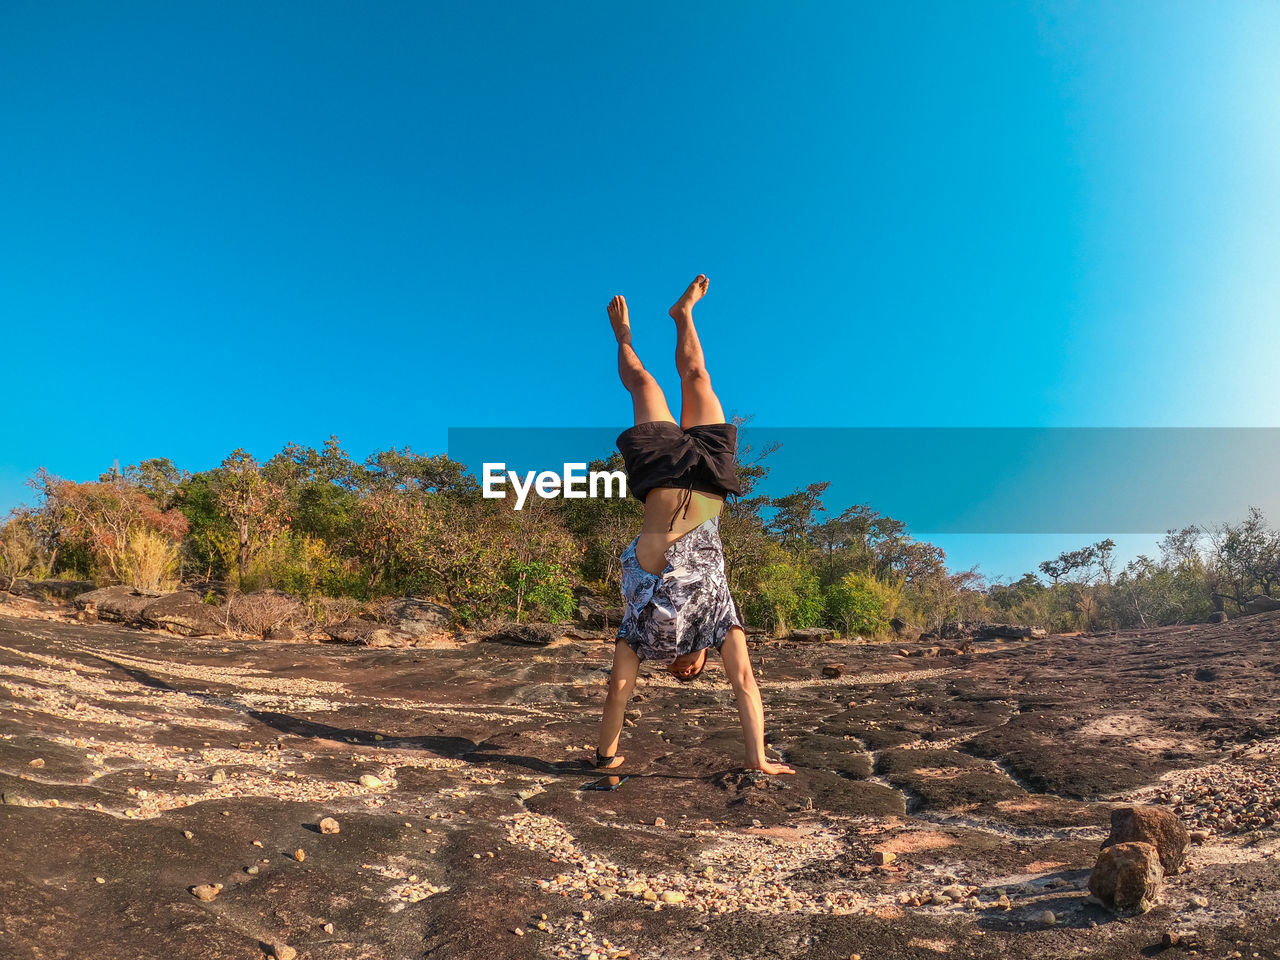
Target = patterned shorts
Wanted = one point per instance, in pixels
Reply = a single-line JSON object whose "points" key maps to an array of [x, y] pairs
{"points": [[686, 609]]}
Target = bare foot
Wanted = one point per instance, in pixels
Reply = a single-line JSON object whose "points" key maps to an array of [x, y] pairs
{"points": [[768, 766], [620, 319], [682, 309], [615, 762]]}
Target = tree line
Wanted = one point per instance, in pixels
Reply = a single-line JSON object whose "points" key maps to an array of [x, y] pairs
{"points": [[316, 523]]}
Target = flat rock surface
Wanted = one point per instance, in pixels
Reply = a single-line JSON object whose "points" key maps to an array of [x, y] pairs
{"points": [[989, 776]]}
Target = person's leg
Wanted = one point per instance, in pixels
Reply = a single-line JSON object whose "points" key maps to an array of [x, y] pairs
{"points": [[647, 399], [622, 683], [698, 402]]}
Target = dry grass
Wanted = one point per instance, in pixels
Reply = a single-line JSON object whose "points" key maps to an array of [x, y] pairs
{"points": [[260, 613], [150, 562]]}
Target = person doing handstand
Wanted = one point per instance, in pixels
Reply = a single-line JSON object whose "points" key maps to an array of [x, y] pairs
{"points": [[677, 598]]}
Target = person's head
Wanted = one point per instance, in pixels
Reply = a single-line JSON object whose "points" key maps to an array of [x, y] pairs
{"points": [[687, 666]]}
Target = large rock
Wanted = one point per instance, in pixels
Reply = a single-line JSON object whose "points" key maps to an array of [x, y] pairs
{"points": [[184, 613], [1127, 877], [524, 634], [220, 589], [595, 613], [395, 622], [118, 604], [1009, 631], [1153, 825], [413, 617], [364, 632], [904, 630], [1261, 604], [957, 630], [57, 590], [811, 635]]}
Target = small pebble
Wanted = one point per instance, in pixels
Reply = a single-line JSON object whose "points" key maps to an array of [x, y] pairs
{"points": [[330, 825]]}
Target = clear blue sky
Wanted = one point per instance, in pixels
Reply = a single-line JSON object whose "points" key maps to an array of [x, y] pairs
{"points": [[240, 224]]}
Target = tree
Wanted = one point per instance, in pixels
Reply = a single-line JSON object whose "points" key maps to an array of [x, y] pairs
{"points": [[252, 504], [861, 604], [940, 597], [21, 552], [1067, 563], [128, 536], [785, 596], [405, 470], [1246, 557], [792, 524]]}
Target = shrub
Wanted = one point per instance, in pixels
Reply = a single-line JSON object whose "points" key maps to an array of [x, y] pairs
{"points": [[786, 596], [150, 561], [117, 523], [258, 613], [21, 553], [542, 590], [300, 565], [861, 604]]}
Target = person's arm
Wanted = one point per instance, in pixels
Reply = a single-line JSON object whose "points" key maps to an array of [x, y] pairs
{"points": [[737, 667], [622, 683]]}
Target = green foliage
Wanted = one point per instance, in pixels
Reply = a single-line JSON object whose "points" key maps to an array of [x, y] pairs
{"points": [[786, 597], [209, 548], [539, 591], [861, 604], [333, 531], [303, 566], [792, 524]]}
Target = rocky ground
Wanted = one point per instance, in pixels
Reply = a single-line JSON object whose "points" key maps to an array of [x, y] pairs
{"points": [[943, 807]]}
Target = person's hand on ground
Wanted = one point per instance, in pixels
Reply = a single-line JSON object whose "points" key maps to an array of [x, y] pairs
{"points": [[768, 766]]}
